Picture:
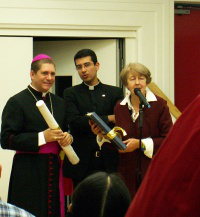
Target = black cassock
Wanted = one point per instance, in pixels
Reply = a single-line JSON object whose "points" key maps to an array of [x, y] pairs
{"points": [[34, 181]]}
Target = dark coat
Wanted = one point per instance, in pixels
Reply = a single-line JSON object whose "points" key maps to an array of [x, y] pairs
{"points": [[79, 100]]}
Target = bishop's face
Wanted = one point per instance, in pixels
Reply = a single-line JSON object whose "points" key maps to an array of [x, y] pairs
{"points": [[44, 78]]}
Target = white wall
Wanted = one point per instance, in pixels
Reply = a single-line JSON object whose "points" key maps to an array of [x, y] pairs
{"points": [[145, 24], [15, 59], [63, 53]]}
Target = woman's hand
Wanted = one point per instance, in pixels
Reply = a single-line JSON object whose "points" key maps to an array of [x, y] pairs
{"points": [[131, 145]]}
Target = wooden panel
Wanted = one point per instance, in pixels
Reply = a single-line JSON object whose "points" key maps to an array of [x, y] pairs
{"points": [[172, 108]]}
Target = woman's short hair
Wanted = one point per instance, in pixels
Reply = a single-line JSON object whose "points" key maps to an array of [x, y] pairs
{"points": [[101, 195], [35, 66], [135, 68]]}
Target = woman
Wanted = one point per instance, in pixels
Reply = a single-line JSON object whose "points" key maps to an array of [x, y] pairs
{"points": [[156, 124]]}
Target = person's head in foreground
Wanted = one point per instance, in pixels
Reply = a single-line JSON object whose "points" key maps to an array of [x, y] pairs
{"points": [[100, 195]]}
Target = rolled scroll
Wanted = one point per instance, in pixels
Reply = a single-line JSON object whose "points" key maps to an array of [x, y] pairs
{"points": [[111, 134], [48, 117]]}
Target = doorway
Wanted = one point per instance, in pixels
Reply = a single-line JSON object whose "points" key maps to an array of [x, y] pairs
{"points": [[110, 54]]}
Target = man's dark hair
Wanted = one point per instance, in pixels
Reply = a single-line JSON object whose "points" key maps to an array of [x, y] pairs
{"points": [[35, 66], [85, 53]]}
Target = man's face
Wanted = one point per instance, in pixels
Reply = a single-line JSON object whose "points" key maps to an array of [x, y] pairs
{"points": [[44, 78], [87, 70]]}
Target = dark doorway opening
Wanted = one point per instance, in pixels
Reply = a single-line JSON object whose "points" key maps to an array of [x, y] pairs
{"points": [[61, 83]]}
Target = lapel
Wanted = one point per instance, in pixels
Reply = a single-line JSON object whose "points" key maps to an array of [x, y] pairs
{"points": [[93, 101], [84, 98], [102, 98], [126, 121]]}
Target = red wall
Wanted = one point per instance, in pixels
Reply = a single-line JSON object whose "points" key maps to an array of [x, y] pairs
{"points": [[187, 58]]}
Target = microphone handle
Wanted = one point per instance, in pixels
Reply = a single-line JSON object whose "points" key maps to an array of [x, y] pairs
{"points": [[142, 98]]}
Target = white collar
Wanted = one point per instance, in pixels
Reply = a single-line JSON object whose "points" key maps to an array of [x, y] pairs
{"points": [[149, 96], [91, 87], [43, 94]]}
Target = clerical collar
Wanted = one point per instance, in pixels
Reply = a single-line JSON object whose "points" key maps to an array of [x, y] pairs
{"points": [[43, 94], [37, 93], [91, 87]]}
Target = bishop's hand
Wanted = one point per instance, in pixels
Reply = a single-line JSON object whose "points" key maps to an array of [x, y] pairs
{"points": [[53, 135], [67, 140]]}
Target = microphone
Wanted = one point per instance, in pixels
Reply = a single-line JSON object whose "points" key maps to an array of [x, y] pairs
{"points": [[143, 100]]}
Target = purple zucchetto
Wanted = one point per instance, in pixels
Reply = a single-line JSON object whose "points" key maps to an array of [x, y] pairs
{"points": [[40, 57]]}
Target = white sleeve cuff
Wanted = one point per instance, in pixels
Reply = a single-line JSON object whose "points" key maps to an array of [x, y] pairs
{"points": [[41, 139], [100, 141], [148, 143]]}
